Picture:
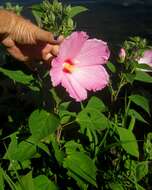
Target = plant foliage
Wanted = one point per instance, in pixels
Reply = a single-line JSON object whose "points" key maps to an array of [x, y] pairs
{"points": [[50, 143]]}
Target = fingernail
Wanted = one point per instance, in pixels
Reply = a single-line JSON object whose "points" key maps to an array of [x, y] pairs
{"points": [[48, 56]]}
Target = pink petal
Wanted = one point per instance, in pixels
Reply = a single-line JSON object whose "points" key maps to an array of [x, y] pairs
{"points": [[74, 89], [93, 52], [72, 45], [91, 77], [147, 58], [56, 71]]}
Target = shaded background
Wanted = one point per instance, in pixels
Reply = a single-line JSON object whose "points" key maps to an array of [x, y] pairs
{"points": [[111, 20]]}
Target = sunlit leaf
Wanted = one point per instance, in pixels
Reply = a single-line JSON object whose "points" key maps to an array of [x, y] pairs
{"points": [[41, 182], [141, 170], [129, 77], [25, 150], [81, 168], [143, 77], [72, 146], [139, 187], [26, 182], [12, 147], [64, 114], [1, 180], [140, 101], [96, 103], [93, 119], [111, 67], [128, 141], [137, 116], [42, 124], [144, 67], [20, 77], [116, 186], [59, 154]]}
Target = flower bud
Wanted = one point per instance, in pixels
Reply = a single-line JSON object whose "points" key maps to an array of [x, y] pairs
{"points": [[122, 55]]}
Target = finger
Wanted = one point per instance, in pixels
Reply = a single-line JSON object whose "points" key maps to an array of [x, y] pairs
{"points": [[55, 50], [45, 36], [47, 57], [47, 52], [8, 42], [16, 53]]}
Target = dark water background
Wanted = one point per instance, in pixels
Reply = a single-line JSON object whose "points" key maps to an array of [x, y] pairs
{"points": [[111, 20]]}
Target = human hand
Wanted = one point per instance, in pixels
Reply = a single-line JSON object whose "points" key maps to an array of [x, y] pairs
{"points": [[24, 40]]}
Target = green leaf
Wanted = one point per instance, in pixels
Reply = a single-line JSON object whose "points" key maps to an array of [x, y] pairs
{"points": [[12, 147], [37, 13], [96, 103], [37, 17], [42, 124], [44, 147], [41, 182], [137, 116], [77, 10], [20, 77], [143, 77], [144, 67], [64, 114], [128, 141], [129, 77], [59, 155], [140, 101], [26, 182], [141, 170], [139, 187], [64, 105], [11, 154], [116, 186], [148, 146], [81, 168], [25, 150], [1, 180], [72, 146], [93, 119], [111, 67]]}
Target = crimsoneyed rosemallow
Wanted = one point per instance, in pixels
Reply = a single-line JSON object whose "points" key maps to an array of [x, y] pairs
{"points": [[122, 55], [78, 66], [146, 58]]}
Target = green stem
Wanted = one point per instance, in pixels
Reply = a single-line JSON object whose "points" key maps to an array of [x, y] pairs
{"points": [[122, 83], [102, 142], [126, 114], [56, 98]]}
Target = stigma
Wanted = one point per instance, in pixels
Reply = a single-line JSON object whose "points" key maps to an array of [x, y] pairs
{"points": [[68, 66]]}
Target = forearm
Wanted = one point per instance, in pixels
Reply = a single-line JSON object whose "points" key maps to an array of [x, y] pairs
{"points": [[6, 23], [22, 30], [19, 29]]}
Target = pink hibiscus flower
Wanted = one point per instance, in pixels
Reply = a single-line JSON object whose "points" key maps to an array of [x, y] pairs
{"points": [[78, 66], [147, 58]]}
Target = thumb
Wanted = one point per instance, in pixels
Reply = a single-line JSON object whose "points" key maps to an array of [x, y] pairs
{"points": [[45, 36]]}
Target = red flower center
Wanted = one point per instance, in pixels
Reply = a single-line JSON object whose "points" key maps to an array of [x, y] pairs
{"points": [[68, 66]]}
